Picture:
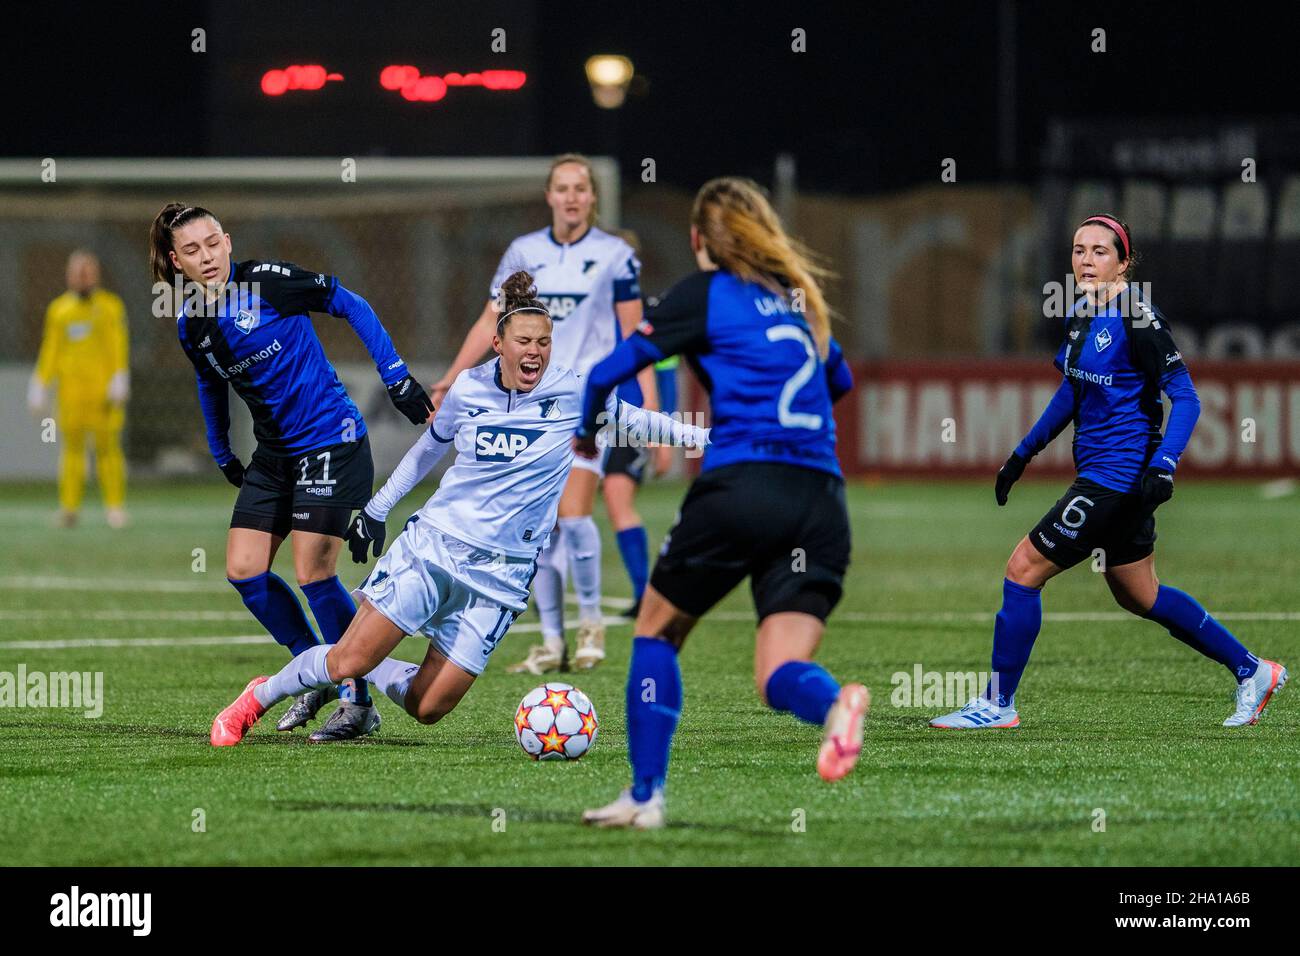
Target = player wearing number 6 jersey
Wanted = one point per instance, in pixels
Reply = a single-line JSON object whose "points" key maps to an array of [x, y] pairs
{"points": [[245, 325], [769, 502], [460, 570], [1117, 357]]}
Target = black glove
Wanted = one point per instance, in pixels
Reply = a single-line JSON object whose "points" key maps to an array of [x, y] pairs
{"points": [[365, 532], [1157, 487], [411, 400], [234, 472], [1008, 475]]}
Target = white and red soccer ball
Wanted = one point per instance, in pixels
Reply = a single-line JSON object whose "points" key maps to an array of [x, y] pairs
{"points": [[555, 722]]}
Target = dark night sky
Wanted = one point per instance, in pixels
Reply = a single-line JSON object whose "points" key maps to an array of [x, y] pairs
{"points": [[884, 91]]}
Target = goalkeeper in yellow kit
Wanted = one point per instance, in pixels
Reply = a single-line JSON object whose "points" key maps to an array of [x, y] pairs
{"points": [[84, 351]]}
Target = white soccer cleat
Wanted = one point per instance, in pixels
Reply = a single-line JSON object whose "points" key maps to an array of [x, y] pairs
{"points": [[591, 645], [540, 660], [1254, 693], [628, 813], [980, 714]]}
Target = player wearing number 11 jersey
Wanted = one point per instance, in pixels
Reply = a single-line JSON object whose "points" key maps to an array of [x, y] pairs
{"points": [[769, 503], [245, 326]]}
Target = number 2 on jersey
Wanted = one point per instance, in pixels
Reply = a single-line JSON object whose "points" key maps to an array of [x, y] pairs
{"points": [[787, 418]]}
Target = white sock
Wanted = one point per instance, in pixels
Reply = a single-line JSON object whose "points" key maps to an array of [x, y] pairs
{"points": [[393, 678], [548, 592], [582, 541], [305, 672]]}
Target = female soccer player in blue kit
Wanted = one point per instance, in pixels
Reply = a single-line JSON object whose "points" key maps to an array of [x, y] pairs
{"points": [[1117, 357], [769, 502], [246, 326]]}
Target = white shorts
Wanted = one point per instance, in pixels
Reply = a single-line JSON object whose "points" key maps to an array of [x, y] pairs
{"points": [[594, 465], [462, 598]]}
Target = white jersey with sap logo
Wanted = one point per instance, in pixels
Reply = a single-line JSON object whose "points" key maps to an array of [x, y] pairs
{"points": [[579, 282], [513, 453]]}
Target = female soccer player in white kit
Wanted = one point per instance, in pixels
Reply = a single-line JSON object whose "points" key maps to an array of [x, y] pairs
{"points": [[589, 281], [459, 572]]}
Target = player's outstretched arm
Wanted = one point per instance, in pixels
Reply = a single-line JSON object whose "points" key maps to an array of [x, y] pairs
{"points": [[644, 426], [1058, 414], [406, 394]]}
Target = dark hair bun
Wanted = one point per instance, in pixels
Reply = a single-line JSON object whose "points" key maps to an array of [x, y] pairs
{"points": [[519, 291]]}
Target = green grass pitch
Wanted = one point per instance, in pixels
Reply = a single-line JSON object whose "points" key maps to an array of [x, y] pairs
{"points": [[1117, 716]]}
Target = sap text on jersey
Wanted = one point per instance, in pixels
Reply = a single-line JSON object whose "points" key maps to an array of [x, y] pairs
{"points": [[561, 305], [502, 444]]}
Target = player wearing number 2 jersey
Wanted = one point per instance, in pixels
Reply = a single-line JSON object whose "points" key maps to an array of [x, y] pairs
{"points": [[769, 502], [1117, 357]]}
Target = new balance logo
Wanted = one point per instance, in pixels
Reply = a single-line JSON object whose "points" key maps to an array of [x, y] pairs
{"points": [[206, 343]]}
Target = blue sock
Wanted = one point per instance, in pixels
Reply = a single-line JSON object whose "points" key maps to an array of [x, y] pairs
{"points": [[275, 605], [654, 703], [334, 610], [1014, 632], [1192, 624], [634, 546], [804, 689]]}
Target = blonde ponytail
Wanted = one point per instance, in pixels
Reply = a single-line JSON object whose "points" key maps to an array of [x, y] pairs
{"points": [[743, 235]]}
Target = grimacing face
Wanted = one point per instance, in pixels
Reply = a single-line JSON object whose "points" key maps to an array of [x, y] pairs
{"points": [[525, 350], [571, 196], [1096, 263], [201, 251]]}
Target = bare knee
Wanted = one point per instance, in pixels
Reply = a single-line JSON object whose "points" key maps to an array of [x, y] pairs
{"points": [[341, 662], [1020, 569], [431, 712], [242, 567]]}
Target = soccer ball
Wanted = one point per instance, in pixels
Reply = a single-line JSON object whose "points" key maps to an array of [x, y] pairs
{"points": [[555, 722]]}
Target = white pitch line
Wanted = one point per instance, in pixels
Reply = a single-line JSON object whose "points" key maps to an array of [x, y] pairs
{"points": [[174, 642], [52, 583], [118, 615], [980, 617]]}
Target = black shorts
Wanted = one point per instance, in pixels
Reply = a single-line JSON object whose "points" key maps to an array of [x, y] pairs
{"points": [[785, 527], [626, 460], [1090, 518], [312, 491]]}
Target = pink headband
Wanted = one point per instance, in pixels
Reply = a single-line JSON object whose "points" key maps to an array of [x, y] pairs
{"points": [[1113, 224]]}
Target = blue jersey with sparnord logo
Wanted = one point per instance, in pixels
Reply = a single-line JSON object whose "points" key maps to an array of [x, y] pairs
{"points": [[1117, 366], [258, 339], [769, 391]]}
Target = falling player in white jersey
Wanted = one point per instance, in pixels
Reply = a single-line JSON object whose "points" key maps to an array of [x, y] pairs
{"points": [[590, 282], [459, 572]]}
